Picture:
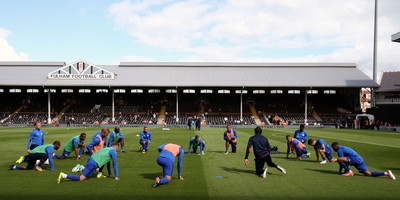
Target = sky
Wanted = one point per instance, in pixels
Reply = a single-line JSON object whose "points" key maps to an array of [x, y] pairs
{"points": [[111, 31]]}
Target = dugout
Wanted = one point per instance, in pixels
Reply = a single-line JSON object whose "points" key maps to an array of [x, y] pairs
{"points": [[363, 121]]}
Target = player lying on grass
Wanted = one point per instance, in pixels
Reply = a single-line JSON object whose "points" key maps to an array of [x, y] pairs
{"points": [[145, 139], [96, 161], [347, 156], [98, 141], [230, 138], [321, 148], [197, 142], [262, 154], [116, 136], [296, 146], [76, 145], [166, 159], [42, 153]]}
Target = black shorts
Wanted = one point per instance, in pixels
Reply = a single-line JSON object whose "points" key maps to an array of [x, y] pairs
{"points": [[36, 156], [33, 146]]}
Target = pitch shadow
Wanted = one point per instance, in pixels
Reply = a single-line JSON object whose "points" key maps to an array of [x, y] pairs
{"points": [[151, 176], [294, 159], [325, 171], [235, 170], [216, 151]]}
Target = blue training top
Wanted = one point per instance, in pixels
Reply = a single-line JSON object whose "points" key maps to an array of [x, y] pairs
{"points": [[193, 142], [321, 142], [112, 135], [300, 135], [344, 151], [95, 141], [35, 137], [145, 136], [169, 155]]}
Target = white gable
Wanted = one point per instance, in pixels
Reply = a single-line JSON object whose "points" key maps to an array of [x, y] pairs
{"points": [[81, 70]]}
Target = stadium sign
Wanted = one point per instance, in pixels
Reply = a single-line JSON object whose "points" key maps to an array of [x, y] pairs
{"points": [[81, 70]]}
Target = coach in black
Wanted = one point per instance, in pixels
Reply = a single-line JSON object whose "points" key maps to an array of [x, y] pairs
{"points": [[262, 155]]}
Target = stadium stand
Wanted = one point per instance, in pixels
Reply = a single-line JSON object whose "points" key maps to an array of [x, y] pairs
{"points": [[211, 90]]}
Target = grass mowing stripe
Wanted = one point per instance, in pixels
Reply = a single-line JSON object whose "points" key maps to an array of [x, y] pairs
{"points": [[305, 179]]}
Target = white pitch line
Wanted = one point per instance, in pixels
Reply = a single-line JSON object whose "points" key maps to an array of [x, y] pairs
{"points": [[357, 141]]}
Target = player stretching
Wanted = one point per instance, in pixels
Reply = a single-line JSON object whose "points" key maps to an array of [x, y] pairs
{"points": [[36, 138], [116, 136], [96, 161], [98, 141], [301, 134], [42, 153], [76, 145], [166, 159], [230, 138], [321, 148], [261, 152], [145, 139], [196, 142], [347, 156], [296, 146]]}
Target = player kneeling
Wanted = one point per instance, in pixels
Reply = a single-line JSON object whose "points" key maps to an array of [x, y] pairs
{"points": [[323, 149], [96, 161]]}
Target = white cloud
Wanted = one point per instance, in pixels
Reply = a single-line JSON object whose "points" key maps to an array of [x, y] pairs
{"points": [[134, 59], [7, 52], [229, 30]]}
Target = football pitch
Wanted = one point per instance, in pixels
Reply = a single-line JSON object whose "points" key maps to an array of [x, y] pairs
{"points": [[210, 176]]}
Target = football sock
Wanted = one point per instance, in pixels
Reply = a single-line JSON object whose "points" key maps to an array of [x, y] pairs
{"points": [[378, 173], [227, 149], [81, 151], [73, 177], [343, 165], [164, 181], [17, 167], [57, 156]]}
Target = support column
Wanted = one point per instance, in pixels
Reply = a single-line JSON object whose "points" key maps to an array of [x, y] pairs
{"points": [[177, 105], [48, 107], [241, 105], [375, 42], [375, 59], [305, 107], [112, 106]]}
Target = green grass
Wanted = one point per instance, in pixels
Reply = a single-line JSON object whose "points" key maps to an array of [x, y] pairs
{"points": [[305, 179]]}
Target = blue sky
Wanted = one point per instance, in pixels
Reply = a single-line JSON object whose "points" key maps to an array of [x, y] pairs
{"points": [[108, 32]]}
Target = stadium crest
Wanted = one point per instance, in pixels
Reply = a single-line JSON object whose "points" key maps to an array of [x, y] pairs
{"points": [[81, 70]]}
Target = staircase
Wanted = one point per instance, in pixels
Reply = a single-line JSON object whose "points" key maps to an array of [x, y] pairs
{"points": [[267, 120], [201, 111], [316, 116], [255, 115], [161, 116], [61, 113], [105, 121], [15, 112]]}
